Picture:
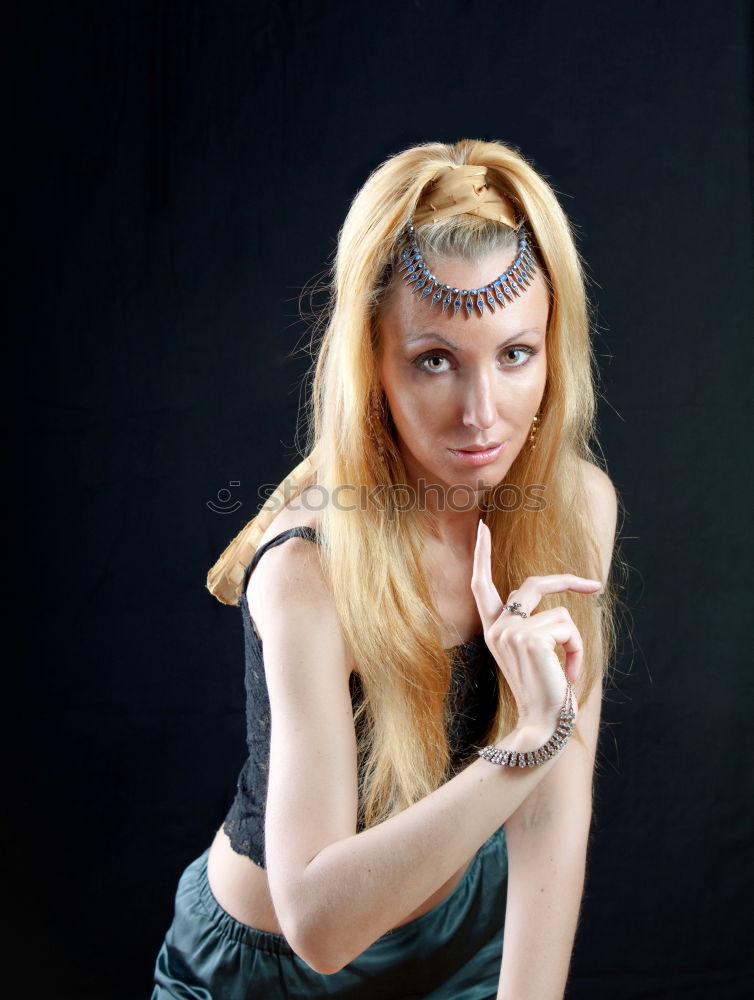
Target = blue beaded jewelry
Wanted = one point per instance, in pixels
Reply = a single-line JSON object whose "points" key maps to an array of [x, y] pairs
{"points": [[503, 290]]}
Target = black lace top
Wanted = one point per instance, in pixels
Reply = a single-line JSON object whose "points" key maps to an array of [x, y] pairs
{"points": [[473, 700]]}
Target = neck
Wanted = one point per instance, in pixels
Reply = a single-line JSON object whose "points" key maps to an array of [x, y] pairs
{"points": [[453, 516]]}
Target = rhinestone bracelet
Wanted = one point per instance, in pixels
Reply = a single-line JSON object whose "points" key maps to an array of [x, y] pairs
{"points": [[529, 758]]}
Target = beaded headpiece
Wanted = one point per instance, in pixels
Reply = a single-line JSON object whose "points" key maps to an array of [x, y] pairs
{"points": [[458, 190]]}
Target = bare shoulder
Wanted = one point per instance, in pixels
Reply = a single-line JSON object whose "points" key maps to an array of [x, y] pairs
{"points": [[288, 591], [603, 509]]}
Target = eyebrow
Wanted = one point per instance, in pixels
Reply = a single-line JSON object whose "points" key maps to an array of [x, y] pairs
{"points": [[429, 335]]}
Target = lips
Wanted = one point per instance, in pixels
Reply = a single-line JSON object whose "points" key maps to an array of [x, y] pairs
{"points": [[479, 447], [477, 455]]}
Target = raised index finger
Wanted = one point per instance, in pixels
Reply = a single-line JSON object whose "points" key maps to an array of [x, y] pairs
{"points": [[485, 593]]}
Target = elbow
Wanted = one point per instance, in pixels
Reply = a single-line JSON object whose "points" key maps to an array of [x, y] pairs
{"points": [[318, 951], [315, 938], [319, 959]]}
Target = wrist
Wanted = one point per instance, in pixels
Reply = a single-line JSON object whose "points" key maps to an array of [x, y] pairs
{"points": [[527, 736], [530, 744]]}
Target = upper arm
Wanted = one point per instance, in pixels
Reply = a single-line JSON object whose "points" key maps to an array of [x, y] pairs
{"points": [[603, 511], [312, 788]]}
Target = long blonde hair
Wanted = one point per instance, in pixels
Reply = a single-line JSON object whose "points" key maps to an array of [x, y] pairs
{"points": [[372, 553]]}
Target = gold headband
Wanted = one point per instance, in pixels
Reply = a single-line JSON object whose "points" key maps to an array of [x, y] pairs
{"points": [[464, 189]]}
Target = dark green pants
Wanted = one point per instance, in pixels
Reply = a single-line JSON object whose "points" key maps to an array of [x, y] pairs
{"points": [[453, 952]]}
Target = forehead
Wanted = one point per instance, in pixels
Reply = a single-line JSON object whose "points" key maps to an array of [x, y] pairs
{"points": [[405, 316]]}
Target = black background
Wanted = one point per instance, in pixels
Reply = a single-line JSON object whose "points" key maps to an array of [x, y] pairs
{"points": [[175, 175]]}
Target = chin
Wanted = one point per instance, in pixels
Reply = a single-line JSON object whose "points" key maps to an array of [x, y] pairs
{"points": [[485, 477]]}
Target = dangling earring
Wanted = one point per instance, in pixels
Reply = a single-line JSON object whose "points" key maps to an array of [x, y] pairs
{"points": [[376, 418], [534, 429]]}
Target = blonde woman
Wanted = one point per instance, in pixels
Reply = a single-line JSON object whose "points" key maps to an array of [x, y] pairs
{"points": [[431, 581]]}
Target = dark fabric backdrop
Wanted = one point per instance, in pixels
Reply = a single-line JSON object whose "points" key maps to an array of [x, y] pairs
{"points": [[175, 174]]}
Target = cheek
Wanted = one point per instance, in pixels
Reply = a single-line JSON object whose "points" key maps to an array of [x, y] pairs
{"points": [[405, 402], [526, 395], [523, 392], [413, 414]]}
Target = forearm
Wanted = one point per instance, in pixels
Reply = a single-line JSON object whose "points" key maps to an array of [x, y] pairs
{"points": [[358, 888], [546, 868]]}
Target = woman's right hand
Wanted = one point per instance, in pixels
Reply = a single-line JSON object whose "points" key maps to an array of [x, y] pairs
{"points": [[524, 648]]}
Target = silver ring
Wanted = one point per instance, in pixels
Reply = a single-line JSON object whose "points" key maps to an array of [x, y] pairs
{"points": [[515, 607]]}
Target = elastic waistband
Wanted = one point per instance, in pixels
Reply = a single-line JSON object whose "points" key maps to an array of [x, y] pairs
{"points": [[268, 941]]}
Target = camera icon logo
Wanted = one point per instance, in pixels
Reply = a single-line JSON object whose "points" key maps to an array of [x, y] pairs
{"points": [[224, 503]]}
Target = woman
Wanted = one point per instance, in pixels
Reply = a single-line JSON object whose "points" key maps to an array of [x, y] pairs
{"points": [[376, 848]]}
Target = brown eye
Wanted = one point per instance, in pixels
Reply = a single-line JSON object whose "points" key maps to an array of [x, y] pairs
{"points": [[525, 353], [424, 363]]}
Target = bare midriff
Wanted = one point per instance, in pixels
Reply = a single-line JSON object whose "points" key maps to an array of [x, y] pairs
{"points": [[242, 889]]}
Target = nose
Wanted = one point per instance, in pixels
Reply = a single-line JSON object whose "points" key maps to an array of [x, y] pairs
{"points": [[479, 408]]}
